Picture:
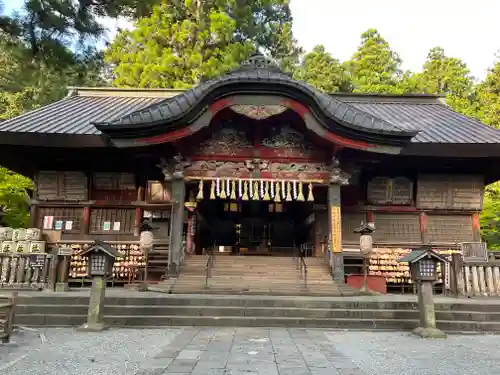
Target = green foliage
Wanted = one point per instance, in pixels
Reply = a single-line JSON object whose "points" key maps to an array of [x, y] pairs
{"points": [[320, 69], [184, 42], [490, 217], [14, 198], [374, 67], [176, 47], [487, 104]]}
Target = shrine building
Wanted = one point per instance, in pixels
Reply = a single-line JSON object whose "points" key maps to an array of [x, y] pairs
{"points": [[253, 162]]}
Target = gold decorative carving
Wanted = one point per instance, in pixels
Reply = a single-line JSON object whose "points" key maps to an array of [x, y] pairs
{"points": [[258, 112]]}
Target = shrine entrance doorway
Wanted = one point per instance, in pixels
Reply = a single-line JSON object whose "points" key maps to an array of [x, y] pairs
{"points": [[254, 227]]}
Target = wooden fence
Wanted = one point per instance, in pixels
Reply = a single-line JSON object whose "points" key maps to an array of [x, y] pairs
{"points": [[473, 278], [25, 270], [7, 311]]}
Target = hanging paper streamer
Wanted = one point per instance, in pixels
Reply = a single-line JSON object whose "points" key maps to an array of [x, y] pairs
{"points": [[250, 190], [255, 190], [310, 196], [272, 189], [300, 196], [212, 190], [261, 189], [283, 189], [266, 193], [288, 192], [199, 197], [222, 190], [245, 191], [277, 197], [233, 189], [217, 188], [294, 184], [240, 188], [228, 188]]}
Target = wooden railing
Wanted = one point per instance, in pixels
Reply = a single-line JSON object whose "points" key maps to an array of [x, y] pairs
{"points": [[474, 279], [7, 311], [25, 270]]}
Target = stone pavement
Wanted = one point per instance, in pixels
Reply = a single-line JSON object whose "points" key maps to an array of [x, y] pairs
{"points": [[250, 351], [246, 351]]}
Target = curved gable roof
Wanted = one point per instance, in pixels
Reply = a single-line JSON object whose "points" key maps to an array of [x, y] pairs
{"points": [[257, 76]]}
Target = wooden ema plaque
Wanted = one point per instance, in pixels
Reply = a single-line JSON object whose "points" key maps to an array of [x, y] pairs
{"points": [[336, 229]]}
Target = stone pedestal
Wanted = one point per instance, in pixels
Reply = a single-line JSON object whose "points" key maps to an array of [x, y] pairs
{"points": [[95, 315], [427, 328]]}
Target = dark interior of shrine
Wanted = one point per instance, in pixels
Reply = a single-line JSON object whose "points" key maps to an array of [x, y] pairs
{"points": [[253, 226]]}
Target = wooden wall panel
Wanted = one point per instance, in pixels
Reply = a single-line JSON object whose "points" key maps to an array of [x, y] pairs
{"points": [[61, 185], [404, 228], [450, 228], [114, 187], [450, 192], [351, 221], [64, 214], [393, 191], [104, 220]]}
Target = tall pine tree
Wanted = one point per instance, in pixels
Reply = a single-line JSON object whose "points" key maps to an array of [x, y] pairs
{"points": [[374, 67]]}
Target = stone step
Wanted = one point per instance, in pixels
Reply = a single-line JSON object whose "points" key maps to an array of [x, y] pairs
{"points": [[38, 320], [216, 311]]}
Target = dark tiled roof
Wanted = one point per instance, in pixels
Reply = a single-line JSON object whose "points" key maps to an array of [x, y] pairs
{"points": [[258, 78], [75, 114], [437, 121]]}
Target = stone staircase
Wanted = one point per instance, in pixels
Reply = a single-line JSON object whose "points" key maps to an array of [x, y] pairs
{"points": [[157, 261], [257, 275]]}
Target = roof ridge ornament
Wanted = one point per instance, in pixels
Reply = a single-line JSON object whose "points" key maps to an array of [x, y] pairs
{"points": [[258, 60]]}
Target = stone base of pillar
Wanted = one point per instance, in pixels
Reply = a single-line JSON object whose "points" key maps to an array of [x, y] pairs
{"points": [[173, 270], [429, 333], [94, 327], [62, 287], [338, 268]]}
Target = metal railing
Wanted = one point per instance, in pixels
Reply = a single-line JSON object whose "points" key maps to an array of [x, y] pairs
{"points": [[302, 263], [210, 264]]}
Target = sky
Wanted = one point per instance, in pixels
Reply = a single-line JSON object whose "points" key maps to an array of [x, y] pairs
{"points": [[465, 29]]}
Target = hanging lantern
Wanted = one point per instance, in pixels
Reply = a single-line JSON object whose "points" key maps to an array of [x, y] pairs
{"points": [[310, 196], [199, 197]]}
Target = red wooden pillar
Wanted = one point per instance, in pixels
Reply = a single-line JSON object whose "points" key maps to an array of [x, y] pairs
{"points": [[86, 220], [369, 217], [423, 228], [476, 227]]}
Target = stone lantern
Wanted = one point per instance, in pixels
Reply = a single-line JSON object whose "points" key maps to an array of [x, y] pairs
{"points": [[423, 269], [101, 257], [365, 246]]}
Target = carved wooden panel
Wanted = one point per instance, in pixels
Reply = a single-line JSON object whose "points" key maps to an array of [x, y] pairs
{"points": [[384, 190], [450, 228], [112, 220], [158, 192], [403, 228], [450, 192], [114, 181], [378, 190], [67, 219], [351, 221], [74, 185], [56, 185], [47, 185]]}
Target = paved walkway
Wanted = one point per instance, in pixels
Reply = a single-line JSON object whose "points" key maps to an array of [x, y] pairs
{"points": [[246, 351]]}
